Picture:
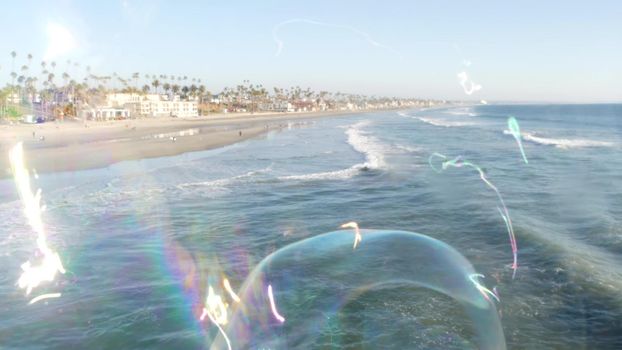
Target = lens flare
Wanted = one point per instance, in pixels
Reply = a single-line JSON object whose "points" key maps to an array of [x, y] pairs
{"points": [[357, 232], [485, 291], [229, 290], [216, 310], [363, 35], [458, 162], [275, 312], [50, 263], [515, 131], [44, 296], [215, 307], [468, 85]]}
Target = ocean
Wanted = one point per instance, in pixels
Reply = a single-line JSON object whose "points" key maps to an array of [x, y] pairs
{"points": [[142, 241]]}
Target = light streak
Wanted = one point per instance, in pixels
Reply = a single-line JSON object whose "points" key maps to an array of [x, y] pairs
{"points": [[228, 288], [365, 36], [50, 263], [485, 291], [357, 232], [215, 306], [273, 305], [216, 311], [515, 131], [44, 296], [458, 162], [468, 85]]}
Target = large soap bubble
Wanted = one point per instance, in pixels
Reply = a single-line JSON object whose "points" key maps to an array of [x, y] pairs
{"points": [[289, 299]]}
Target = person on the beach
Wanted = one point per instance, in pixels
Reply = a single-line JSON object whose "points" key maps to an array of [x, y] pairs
{"points": [[240, 132]]}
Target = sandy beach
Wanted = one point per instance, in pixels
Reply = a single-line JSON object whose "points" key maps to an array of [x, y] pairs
{"points": [[71, 146]]}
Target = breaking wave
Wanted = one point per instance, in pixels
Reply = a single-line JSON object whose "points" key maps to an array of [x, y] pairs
{"points": [[563, 142], [362, 142]]}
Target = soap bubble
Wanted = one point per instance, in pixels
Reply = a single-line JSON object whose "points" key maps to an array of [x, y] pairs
{"points": [[297, 296]]}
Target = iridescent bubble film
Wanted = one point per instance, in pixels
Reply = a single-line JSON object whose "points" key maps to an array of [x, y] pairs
{"points": [[318, 281]]}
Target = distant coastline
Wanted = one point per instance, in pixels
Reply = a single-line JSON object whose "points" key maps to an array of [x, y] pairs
{"points": [[73, 146]]}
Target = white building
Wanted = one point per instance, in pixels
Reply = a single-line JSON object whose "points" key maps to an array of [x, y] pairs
{"points": [[154, 105], [13, 98], [276, 106], [120, 99], [104, 113]]}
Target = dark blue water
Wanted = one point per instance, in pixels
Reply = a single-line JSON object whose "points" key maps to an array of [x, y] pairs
{"points": [[142, 240]]}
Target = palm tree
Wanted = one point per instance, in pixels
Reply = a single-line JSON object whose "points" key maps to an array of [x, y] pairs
{"points": [[175, 88], [166, 87], [202, 90], [13, 77], [65, 78], [145, 89], [13, 54], [155, 84], [135, 76], [88, 75]]}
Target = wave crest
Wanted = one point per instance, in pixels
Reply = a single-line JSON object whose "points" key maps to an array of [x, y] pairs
{"points": [[562, 142], [363, 143]]}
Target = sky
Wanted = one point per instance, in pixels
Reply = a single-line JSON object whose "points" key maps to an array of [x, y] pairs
{"points": [[541, 51]]}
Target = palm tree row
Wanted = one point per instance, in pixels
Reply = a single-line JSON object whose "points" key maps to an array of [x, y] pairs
{"points": [[77, 84]]}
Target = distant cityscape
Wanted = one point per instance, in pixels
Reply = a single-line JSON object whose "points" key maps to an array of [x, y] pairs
{"points": [[58, 91]]}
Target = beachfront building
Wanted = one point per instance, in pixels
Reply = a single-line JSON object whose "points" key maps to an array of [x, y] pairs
{"points": [[181, 109], [154, 105], [104, 113], [13, 98], [275, 106]]}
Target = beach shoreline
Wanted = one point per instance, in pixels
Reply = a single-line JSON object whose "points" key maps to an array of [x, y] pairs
{"points": [[73, 146]]}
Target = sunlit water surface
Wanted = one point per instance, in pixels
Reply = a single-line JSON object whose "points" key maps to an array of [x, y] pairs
{"points": [[141, 240]]}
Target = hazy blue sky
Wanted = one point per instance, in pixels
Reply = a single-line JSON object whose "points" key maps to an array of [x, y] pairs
{"points": [[518, 50]]}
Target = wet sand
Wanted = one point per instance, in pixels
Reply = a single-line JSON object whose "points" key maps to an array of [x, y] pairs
{"points": [[71, 146]]}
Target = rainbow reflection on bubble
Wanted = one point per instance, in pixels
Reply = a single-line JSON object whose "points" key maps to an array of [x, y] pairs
{"points": [[49, 263], [317, 279], [458, 162], [485, 291]]}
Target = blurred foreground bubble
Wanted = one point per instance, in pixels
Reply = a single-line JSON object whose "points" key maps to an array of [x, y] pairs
{"points": [[314, 280]]}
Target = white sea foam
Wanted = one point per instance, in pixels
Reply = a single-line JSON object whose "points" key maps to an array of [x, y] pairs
{"points": [[461, 112], [442, 122], [225, 181], [366, 144], [562, 142], [363, 143], [407, 148], [342, 174], [436, 122]]}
